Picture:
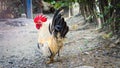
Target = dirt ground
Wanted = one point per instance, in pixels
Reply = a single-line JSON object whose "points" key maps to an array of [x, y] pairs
{"points": [[83, 47]]}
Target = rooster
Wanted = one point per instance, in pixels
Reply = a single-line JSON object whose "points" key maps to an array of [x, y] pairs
{"points": [[51, 35]]}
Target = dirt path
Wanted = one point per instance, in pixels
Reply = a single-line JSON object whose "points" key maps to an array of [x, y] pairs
{"points": [[18, 47]]}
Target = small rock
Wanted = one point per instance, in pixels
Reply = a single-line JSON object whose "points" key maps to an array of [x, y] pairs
{"points": [[10, 62], [86, 53], [74, 27], [85, 67], [106, 62], [1, 61], [23, 15], [112, 45], [83, 59], [117, 41]]}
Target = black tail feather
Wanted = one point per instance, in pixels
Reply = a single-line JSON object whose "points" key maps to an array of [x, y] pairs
{"points": [[50, 29], [58, 24], [65, 32], [57, 12]]}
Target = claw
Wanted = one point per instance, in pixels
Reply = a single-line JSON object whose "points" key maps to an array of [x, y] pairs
{"points": [[50, 61]]}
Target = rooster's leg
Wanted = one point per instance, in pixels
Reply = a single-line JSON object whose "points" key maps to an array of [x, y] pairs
{"points": [[58, 53], [51, 60], [38, 46]]}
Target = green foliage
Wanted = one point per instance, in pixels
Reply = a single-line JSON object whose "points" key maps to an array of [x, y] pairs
{"points": [[100, 15], [107, 9], [108, 22], [118, 5], [90, 17], [60, 3], [107, 13]]}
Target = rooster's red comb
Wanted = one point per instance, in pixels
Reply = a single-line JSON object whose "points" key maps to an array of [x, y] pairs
{"points": [[40, 18]]}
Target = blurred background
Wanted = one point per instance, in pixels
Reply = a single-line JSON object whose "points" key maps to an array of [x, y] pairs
{"points": [[105, 14]]}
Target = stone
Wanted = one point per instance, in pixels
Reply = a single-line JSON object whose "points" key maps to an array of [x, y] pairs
{"points": [[84, 67]]}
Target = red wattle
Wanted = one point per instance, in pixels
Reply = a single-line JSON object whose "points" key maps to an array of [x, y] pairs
{"points": [[38, 26]]}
